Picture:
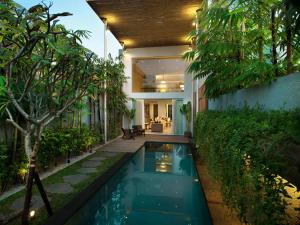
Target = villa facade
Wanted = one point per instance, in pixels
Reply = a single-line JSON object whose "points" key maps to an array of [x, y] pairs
{"points": [[154, 36]]}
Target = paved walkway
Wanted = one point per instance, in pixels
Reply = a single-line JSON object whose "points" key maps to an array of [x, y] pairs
{"points": [[131, 145]]}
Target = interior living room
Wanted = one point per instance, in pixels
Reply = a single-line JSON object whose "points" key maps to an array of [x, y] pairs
{"points": [[158, 115]]}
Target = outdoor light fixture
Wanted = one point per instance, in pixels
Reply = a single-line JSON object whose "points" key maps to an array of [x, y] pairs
{"points": [[123, 46], [32, 214], [181, 86]]}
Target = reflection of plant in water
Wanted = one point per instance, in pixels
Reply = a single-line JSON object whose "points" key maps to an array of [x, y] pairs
{"points": [[185, 165], [116, 204], [107, 205], [179, 150]]}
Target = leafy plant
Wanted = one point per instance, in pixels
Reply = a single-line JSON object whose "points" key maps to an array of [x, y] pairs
{"points": [[244, 150], [239, 44], [186, 110], [57, 142], [131, 113]]}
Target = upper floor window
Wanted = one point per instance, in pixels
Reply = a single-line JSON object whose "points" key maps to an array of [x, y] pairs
{"points": [[158, 74]]}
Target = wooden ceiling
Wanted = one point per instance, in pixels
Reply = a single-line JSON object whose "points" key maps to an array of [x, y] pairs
{"points": [[148, 23]]}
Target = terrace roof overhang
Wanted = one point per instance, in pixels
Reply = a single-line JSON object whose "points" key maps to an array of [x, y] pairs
{"points": [[148, 23]]}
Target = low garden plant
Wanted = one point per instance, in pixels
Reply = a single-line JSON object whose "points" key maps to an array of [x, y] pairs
{"points": [[58, 142], [245, 152]]}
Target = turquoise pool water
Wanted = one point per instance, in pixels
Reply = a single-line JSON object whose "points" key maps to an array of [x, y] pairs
{"points": [[158, 186]]}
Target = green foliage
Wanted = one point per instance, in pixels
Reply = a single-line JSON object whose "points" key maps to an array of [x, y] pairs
{"points": [[239, 45], [131, 113], [244, 152], [4, 165], [186, 110], [60, 142], [11, 171]]}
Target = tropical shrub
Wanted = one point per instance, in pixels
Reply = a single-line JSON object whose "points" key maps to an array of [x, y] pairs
{"points": [[62, 142], [244, 151], [186, 110]]}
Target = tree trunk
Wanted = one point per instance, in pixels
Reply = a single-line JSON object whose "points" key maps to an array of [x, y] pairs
{"points": [[29, 182], [90, 109], [242, 50], [273, 31], [15, 141], [73, 120], [28, 194], [288, 28], [32, 152], [261, 38]]}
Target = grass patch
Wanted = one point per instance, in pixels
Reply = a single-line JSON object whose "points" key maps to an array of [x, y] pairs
{"points": [[57, 201]]}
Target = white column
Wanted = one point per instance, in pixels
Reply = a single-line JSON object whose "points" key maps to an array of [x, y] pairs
{"points": [[105, 97]]}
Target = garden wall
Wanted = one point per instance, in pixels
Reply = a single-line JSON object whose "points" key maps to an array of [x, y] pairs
{"points": [[282, 93]]}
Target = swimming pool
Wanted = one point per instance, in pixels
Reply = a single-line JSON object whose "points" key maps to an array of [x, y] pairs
{"points": [[157, 186]]}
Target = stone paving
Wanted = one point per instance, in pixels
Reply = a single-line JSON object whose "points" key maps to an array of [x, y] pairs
{"points": [[18, 204], [87, 170], [75, 179], [59, 188]]}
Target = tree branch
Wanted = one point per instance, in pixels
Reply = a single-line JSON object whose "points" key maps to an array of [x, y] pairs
{"points": [[11, 120]]}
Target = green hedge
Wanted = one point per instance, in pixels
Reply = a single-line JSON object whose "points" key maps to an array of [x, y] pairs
{"points": [[61, 142], [244, 150]]}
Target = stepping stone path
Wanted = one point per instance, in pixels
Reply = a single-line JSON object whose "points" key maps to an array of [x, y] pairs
{"points": [[97, 158], [87, 167], [109, 154], [87, 170], [75, 179], [18, 204], [59, 188], [91, 163]]}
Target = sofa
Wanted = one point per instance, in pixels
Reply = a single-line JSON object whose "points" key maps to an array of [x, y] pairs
{"points": [[157, 127]]}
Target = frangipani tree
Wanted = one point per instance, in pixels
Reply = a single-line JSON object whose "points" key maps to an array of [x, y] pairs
{"points": [[46, 71]]}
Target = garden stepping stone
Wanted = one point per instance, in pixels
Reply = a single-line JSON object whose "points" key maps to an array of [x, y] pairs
{"points": [[60, 188], [87, 170], [74, 179], [91, 163], [18, 204], [99, 158], [109, 154]]}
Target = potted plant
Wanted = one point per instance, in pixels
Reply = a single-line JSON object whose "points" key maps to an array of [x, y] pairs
{"points": [[131, 115], [186, 110]]}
